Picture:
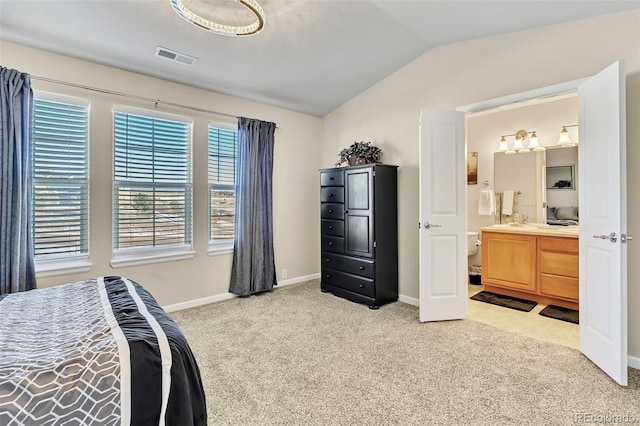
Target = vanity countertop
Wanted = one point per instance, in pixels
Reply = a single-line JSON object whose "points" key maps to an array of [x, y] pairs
{"points": [[534, 229]]}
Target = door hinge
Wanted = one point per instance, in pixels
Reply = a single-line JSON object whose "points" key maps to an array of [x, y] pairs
{"points": [[374, 173], [375, 244]]}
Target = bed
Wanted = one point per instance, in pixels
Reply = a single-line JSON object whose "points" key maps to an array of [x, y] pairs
{"points": [[562, 216], [100, 351]]}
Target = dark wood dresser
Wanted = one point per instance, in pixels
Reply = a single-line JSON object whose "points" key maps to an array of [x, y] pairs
{"points": [[359, 233]]}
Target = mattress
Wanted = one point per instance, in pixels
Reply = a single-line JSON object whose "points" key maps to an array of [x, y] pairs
{"points": [[95, 352]]}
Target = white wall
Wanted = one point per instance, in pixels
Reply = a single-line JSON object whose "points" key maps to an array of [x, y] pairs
{"points": [[469, 72], [295, 178]]}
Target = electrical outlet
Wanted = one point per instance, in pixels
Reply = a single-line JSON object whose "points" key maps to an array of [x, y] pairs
{"points": [[284, 273]]}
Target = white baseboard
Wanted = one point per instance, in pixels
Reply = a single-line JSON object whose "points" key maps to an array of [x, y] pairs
{"points": [[634, 362], [408, 300], [297, 280], [226, 296]]}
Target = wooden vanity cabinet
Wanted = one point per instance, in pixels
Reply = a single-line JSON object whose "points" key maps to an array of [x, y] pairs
{"points": [[536, 267], [509, 260]]}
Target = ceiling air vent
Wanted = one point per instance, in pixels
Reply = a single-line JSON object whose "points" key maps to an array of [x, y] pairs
{"points": [[165, 53]]}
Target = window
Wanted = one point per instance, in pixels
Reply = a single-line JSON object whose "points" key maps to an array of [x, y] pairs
{"points": [[60, 203], [152, 188], [223, 151]]}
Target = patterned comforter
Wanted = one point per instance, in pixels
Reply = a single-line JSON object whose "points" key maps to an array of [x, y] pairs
{"points": [[96, 352]]}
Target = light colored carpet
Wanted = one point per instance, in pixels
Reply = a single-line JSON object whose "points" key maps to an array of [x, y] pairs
{"points": [[297, 356]]}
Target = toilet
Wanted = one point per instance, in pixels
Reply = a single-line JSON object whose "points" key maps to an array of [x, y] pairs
{"points": [[475, 276], [472, 243]]}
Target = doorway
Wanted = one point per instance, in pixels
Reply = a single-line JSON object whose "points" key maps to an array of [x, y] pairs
{"points": [[524, 173]]}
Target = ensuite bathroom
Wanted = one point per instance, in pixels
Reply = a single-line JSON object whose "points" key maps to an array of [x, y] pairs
{"points": [[523, 218]]}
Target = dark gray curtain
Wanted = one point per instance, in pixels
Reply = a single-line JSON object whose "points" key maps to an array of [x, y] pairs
{"points": [[254, 269], [16, 247]]}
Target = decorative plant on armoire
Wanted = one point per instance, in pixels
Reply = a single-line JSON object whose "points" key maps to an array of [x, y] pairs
{"points": [[360, 153]]}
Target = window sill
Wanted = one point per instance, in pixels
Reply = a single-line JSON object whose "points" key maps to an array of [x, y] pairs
{"points": [[62, 266], [135, 257], [218, 248]]}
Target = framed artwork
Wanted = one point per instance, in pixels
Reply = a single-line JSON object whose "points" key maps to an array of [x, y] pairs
{"points": [[560, 177], [472, 168]]}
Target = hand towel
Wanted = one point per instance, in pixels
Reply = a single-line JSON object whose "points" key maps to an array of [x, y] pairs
{"points": [[507, 203], [486, 203]]}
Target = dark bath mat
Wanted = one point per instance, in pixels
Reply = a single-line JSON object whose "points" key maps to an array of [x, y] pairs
{"points": [[505, 301], [563, 314]]}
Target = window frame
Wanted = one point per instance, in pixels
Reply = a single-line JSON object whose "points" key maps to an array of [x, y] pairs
{"points": [[220, 246], [70, 263], [135, 256]]}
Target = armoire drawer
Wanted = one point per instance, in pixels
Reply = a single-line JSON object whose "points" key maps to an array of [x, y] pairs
{"points": [[332, 178], [332, 194], [332, 211], [333, 244], [352, 265], [332, 227], [349, 282]]}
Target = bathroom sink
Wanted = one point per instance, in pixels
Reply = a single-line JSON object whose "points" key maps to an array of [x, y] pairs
{"points": [[514, 226]]}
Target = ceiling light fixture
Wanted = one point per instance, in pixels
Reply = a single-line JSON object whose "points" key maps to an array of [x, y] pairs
{"points": [[224, 29]]}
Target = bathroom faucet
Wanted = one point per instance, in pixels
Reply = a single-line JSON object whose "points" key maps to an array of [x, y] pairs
{"points": [[525, 219], [516, 219]]}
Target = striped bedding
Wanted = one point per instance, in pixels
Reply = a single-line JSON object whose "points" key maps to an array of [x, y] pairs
{"points": [[95, 352]]}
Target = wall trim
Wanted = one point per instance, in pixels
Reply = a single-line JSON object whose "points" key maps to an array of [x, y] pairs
{"points": [[226, 296], [408, 300], [634, 362]]}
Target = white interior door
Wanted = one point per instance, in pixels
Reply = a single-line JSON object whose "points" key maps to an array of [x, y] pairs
{"points": [[603, 221], [443, 252]]}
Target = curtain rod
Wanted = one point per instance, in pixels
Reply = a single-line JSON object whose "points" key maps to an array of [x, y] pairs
{"points": [[127, 95]]}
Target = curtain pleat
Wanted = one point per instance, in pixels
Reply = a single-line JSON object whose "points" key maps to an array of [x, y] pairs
{"points": [[17, 271], [253, 269]]}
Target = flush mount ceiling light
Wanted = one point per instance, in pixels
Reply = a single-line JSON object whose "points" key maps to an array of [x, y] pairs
{"points": [[216, 25]]}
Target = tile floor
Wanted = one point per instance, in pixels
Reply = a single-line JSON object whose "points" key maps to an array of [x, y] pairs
{"points": [[528, 323]]}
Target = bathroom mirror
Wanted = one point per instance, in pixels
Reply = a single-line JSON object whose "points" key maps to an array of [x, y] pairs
{"points": [[529, 174]]}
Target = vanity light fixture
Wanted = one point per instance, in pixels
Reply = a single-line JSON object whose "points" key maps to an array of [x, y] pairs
{"points": [[519, 143], [218, 27], [503, 147], [564, 139], [533, 143]]}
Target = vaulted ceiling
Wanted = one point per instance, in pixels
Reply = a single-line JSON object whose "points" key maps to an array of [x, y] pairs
{"points": [[311, 57]]}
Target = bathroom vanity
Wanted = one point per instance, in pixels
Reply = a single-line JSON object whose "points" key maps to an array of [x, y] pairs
{"points": [[534, 261]]}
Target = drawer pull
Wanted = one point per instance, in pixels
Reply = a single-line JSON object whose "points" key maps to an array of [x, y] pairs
{"points": [[330, 195], [327, 276], [330, 226], [331, 178], [361, 268], [327, 260], [330, 243], [330, 211], [361, 285]]}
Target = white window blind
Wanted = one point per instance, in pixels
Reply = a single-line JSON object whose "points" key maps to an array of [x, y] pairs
{"points": [[152, 181], [60, 206], [223, 151]]}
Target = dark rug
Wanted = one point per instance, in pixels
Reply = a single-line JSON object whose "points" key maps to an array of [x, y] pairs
{"points": [[563, 314], [505, 301]]}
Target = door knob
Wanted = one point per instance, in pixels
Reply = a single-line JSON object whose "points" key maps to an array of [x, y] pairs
{"points": [[428, 225], [613, 237]]}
